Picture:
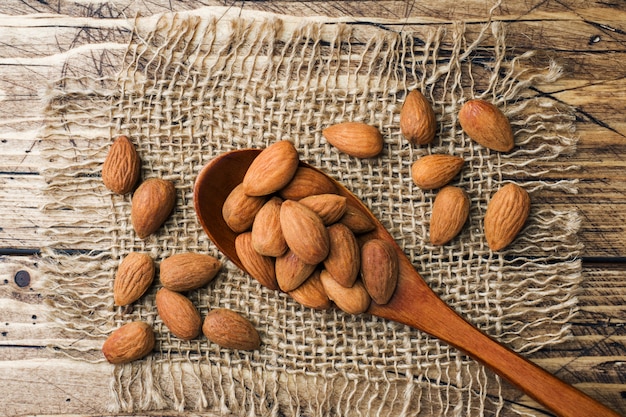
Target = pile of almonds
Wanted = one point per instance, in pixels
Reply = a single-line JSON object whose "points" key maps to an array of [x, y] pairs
{"points": [[297, 234], [152, 203]]}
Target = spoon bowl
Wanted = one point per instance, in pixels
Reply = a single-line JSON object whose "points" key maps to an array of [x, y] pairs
{"points": [[413, 303]]}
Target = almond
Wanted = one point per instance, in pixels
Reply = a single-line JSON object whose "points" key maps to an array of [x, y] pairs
{"points": [[291, 272], [230, 330], [304, 232], [188, 271], [450, 212], [379, 269], [417, 119], [353, 300], [239, 209], [271, 170], [506, 214], [487, 125], [357, 220], [260, 267], [178, 313], [152, 203], [311, 293], [121, 168], [133, 278], [344, 257], [435, 171], [330, 207], [130, 342], [355, 139], [267, 236], [307, 181]]}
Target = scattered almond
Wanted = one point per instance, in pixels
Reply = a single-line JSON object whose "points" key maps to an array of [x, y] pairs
{"points": [[487, 125], [260, 267], [344, 257], [435, 171], [121, 168], [379, 269], [353, 300], [306, 182], [133, 278], [230, 330], [188, 271], [506, 214], [311, 293], [355, 139], [450, 212], [271, 170], [239, 209], [178, 313], [291, 272], [417, 119], [304, 232], [130, 342], [267, 236], [330, 207], [152, 203]]}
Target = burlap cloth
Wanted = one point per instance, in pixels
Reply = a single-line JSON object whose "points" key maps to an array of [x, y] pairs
{"points": [[188, 87]]}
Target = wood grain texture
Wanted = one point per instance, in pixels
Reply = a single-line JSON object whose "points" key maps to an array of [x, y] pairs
{"points": [[587, 38]]}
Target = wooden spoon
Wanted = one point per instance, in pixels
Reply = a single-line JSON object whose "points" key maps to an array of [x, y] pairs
{"points": [[413, 302]]}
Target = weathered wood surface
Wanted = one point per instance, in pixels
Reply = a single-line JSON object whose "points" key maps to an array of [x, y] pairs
{"points": [[588, 38]]}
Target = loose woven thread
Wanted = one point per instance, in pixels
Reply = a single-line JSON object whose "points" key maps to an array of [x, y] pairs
{"points": [[193, 87]]}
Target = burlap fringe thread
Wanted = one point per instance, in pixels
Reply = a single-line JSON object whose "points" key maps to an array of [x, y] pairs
{"points": [[194, 86]]}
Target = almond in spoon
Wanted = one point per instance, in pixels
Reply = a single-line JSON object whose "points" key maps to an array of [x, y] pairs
{"points": [[304, 232], [271, 170]]}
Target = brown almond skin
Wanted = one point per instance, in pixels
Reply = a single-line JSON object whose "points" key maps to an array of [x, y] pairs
{"points": [[133, 278], [449, 215], [330, 207], [434, 171], [230, 330], [179, 314], [271, 170], [306, 182], [418, 123], [344, 257], [152, 204], [379, 269], [356, 220], [355, 139], [260, 267], [188, 271], [121, 168], [304, 232], [311, 293], [291, 272], [130, 342], [267, 236], [239, 209], [352, 300], [506, 215], [487, 125]]}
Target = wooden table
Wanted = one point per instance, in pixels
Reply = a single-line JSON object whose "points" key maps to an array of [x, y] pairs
{"points": [[588, 38]]}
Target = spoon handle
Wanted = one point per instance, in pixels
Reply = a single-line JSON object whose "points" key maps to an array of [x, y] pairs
{"points": [[422, 309]]}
